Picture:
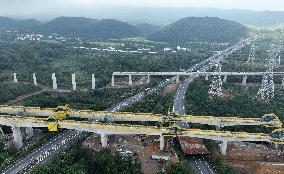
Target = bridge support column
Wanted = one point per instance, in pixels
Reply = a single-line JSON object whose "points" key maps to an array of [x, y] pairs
{"points": [[130, 80], [54, 83], [18, 139], [225, 78], [275, 146], [162, 142], [74, 82], [218, 127], [112, 80], [177, 79], [34, 78], [93, 81], [223, 147], [244, 82], [15, 78], [283, 82], [29, 132], [104, 140], [148, 79], [206, 77]]}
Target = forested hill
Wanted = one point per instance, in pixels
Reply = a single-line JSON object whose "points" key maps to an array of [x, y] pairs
{"points": [[74, 27], [17, 24], [200, 29], [89, 28]]}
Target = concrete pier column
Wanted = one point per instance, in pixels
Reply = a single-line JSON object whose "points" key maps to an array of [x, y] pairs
{"points": [[112, 80], [283, 82], [225, 78], [104, 140], [177, 79], [130, 80], [206, 77], [54, 82], [29, 132], [34, 78], [15, 77], [162, 142], [244, 82], [275, 146], [93, 81], [148, 79], [18, 139], [218, 127], [223, 147], [74, 82]]}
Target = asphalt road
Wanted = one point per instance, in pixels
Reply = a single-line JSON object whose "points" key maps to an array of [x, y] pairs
{"points": [[60, 143], [199, 163]]}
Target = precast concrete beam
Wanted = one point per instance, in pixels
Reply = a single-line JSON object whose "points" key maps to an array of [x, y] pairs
{"points": [[223, 147], [18, 139], [104, 140], [162, 142]]}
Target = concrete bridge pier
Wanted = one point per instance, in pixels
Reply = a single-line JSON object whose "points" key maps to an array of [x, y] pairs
{"points": [[34, 78], [244, 82], [130, 80], [74, 82], [275, 146], [177, 79], [282, 82], [104, 139], [93, 81], [219, 127], [18, 139], [29, 132], [225, 78], [54, 83], [223, 147], [15, 78], [207, 77], [112, 80], [162, 142], [148, 79]]}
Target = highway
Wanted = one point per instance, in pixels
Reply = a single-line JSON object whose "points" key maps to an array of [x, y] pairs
{"points": [[199, 164], [60, 143]]}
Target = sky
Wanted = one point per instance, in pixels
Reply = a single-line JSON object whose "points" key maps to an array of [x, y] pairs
{"points": [[78, 7]]}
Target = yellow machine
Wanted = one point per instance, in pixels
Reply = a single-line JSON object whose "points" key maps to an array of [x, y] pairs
{"points": [[61, 114]]}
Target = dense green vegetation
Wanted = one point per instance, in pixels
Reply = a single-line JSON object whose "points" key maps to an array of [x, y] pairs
{"points": [[9, 91], [240, 101], [200, 29], [47, 58], [80, 160]]}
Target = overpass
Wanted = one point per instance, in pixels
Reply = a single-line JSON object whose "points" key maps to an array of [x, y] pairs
{"points": [[107, 116], [105, 129], [178, 74]]}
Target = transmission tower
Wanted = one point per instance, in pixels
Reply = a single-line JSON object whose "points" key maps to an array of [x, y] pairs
{"points": [[267, 87], [251, 57]]}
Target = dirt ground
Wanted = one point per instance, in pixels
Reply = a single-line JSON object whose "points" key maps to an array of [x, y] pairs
{"points": [[251, 158], [143, 150]]}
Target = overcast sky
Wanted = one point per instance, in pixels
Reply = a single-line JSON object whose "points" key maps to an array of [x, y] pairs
{"points": [[49, 7]]}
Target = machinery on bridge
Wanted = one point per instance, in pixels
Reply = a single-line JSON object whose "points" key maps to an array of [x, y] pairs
{"points": [[63, 112]]}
